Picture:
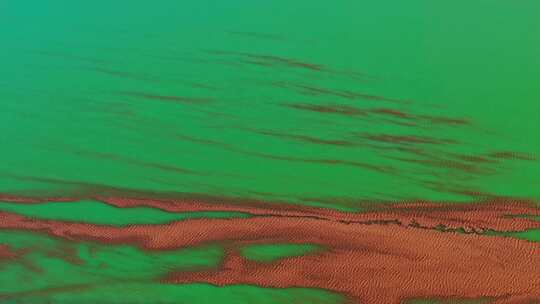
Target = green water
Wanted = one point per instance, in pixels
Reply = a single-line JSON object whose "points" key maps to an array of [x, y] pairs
{"points": [[103, 214], [192, 293], [221, 99], [272, 252], [67, 264], [76, 78], [531, 235]]}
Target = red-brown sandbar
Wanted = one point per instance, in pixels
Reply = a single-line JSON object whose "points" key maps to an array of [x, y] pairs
{"points": [[369, 261]]}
